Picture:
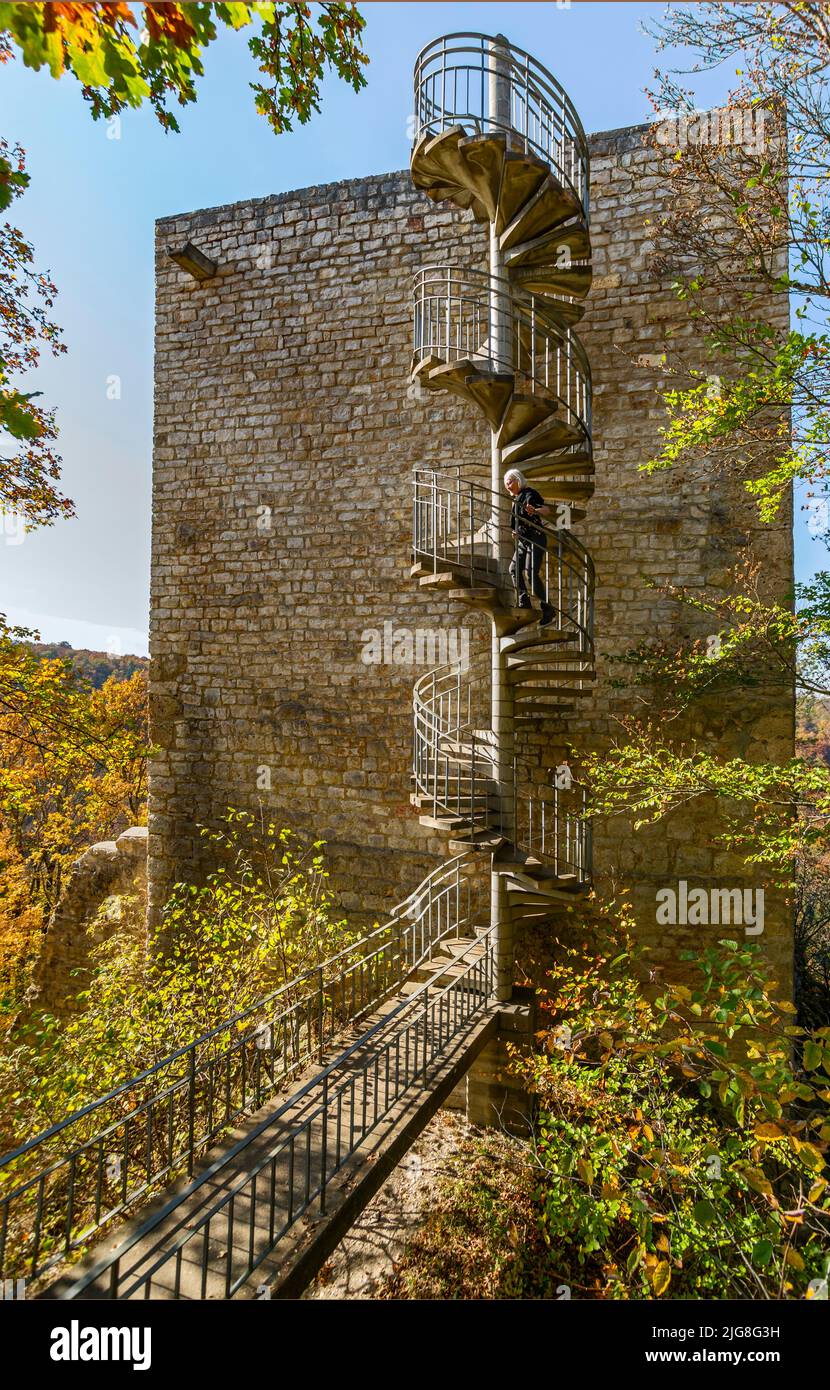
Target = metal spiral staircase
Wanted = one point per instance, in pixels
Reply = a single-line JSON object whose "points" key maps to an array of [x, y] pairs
{"points": [[496, 134]]}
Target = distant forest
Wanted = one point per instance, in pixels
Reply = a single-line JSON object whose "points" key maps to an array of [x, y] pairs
{"points": [[812, 728], [96, 667]]}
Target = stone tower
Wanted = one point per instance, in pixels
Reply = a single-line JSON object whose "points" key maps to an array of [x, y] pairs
{"points": [[284, 617]]}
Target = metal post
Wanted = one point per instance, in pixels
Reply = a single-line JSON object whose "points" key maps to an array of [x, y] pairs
{"points": [[501, 351], [191, 1108], [321, 1006], [324, 1138]]}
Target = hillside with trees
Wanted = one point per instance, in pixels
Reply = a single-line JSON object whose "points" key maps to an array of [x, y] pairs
{"points": [[92, 666]]}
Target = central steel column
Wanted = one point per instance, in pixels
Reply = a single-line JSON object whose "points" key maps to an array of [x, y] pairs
{"points": [[501, 351]]}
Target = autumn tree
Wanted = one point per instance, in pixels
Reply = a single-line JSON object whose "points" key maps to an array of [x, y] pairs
{"points": [[72, 759], [747, 222], [73, 762], [29, 466], [125, 56]]}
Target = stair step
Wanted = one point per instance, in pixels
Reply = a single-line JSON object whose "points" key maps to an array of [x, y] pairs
{"points": [[448, 822], [483, 840], [452, 577], [527, 714], [551, 634], [550, 205], [540, 440], [524, 672], [549, 661], [486, 595], [536, 717], [545, 248], [553, 652]]}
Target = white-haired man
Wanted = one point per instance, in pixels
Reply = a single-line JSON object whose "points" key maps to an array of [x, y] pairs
{"points": [[531, 542]]}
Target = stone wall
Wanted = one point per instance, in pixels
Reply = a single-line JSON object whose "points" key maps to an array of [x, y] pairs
{"points": [[103, 893], [285, 437]]}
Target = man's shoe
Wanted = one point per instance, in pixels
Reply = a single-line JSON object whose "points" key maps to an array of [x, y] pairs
{"points": [[524, 603], [548, 615]]}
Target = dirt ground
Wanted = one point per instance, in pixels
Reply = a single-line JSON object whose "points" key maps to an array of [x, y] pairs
{"points": [[368, 1254]]}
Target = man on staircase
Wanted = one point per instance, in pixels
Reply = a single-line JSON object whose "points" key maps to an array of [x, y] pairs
{"points": [[531, 543]]}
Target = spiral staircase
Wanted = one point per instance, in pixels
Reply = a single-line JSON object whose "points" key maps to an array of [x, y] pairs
{"points": [[497, 135]]}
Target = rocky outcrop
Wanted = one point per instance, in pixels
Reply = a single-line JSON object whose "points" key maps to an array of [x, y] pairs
{"points": [[102, 884]]}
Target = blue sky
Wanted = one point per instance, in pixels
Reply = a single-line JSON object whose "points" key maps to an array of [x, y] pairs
{"points": [[90, 213]]}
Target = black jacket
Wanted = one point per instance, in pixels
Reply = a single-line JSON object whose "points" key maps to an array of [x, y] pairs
{"points": [[526, 527]]}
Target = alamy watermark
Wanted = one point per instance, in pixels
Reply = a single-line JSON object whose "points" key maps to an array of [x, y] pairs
{"points": [[736, 125], [421, 646], [77, 1343], [13, 527], [701, 907]]}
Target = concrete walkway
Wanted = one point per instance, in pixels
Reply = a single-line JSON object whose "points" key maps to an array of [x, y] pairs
{"points": [[265, 1210]]}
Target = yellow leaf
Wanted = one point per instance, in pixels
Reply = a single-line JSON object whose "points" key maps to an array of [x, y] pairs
{"points": [[758, 1181], [768, 1131], [793, 1259], [661, 1278], [811, 1156]]}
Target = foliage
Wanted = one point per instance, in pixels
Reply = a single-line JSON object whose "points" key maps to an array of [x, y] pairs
{"points": [[259, 921], [120, 65], [748, 219], [95, 667], [681, 1151], [72, 762], [267, 908], [480, 1237], [256, 923], [749, 641], [73, 765], [29, 467], [767, 812], [812, 943], [745, 232]]}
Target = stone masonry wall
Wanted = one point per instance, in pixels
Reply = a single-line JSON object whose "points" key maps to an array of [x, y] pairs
{"points": [[285, 438]]}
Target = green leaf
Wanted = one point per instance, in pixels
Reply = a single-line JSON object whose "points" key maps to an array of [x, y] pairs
{"points": [[704, 1212], [762, 1252]]}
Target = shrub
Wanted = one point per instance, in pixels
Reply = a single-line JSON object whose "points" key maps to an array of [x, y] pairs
{"points": [[680, 1153], [262, 917]]}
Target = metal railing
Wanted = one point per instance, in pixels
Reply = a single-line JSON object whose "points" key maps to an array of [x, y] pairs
{"points": [[76, 1177], [457, 777], [452, 318], [550, 823], [214, 1252], [453, 524], [486, 84]]}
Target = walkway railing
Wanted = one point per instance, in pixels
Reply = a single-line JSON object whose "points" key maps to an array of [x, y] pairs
{"points": [[455, 80], [452, 319], [341, 1107], [68, 1182]]}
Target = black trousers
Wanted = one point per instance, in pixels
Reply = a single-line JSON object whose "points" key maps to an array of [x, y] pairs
{"points": [[525, 569]]}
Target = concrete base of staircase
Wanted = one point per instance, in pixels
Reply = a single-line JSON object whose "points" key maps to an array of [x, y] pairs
{"points": [[488, 1095]]}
